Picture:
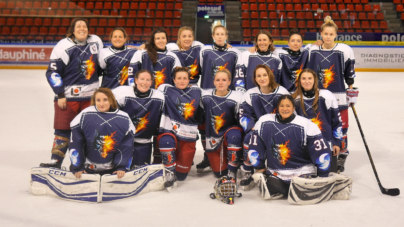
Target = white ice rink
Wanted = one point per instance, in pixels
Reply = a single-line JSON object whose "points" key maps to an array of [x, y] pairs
{"points": [[26, 136]]}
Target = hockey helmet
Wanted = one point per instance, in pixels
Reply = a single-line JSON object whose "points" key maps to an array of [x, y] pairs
{"points": [[225, 190]]}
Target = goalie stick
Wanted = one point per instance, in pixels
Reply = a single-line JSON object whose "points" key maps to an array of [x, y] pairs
{"points": [[386, 191]]}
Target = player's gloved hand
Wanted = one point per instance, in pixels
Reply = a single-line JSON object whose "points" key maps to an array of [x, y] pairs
{"points": [[352, 96]]}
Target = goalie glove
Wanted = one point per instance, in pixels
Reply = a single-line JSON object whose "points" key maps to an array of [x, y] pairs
{"points": [[352, 96]]}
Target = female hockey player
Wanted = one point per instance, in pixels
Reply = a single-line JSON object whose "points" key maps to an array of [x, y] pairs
{"points": [[156, 59], [114, 60], [257, 101], [291, 145], [218, 56], [144, 106], [223, 133], [321, 107], [102, 137], [73, 77], [334, 64], [263, 55]]}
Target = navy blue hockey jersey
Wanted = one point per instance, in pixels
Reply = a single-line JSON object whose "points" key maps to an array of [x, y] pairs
{"points": [[246, 65], [73, 69], [101, 141], [333, 68], [162, 70], [182, 112], [189, 58], [292, 66], [290, 149], [213, 60], [115, 66], [327, 117], [221, 113], [145, 113], [255, 104]]}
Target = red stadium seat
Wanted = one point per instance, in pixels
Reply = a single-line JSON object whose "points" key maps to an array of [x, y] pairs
{"points": [[371, 16], [255, 24], [24, 31], [254, 15], [281, 15], [301, 24], [318, 16], [149, 23], [335, 16], [283, 24], [111, 22], [245, 24], [134, 5], [292, 24], [347, 25], [29, 22], [365, 24], [159, 14], [368, 8], [315, 7], [53, 31], [333, 7], [177, 14], [306, 7], [289, 7], [63, 5], [139, 22], [341, 7], [10, 21], [244, 7], [280, 7], [263, 15], [271, 7], [310, 24], [383, 25], [253, 7], [379, 16], [374, 25], [319, 24], [400, 8], [376, 8], [300, 15], [169, 14], [72, 5], [272, 15], [285, 33], [143, 6], [130, 23], [98, 5], [34, 31], [353, 16], [344, 16], [247, 33], [107, 5], [362, 16], [290, 15], [100, 31], [93, 22], [275, 33], [324, 7], [38, 21], [298, 7], [167, 23], [309, 16], [274, 24], [264, 24], [158, 23], [245, 15]]}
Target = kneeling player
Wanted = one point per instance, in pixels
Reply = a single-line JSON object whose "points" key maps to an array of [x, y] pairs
{"points": [[102, 137], [223, 133], [292, 146], [179, 126]]}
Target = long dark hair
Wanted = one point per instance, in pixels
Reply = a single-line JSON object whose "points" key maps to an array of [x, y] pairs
{"points": [[151, 46], [272, 83], [299, 90]]}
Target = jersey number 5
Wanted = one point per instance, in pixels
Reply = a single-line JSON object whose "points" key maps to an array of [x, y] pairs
{"points": [[320, 145]]}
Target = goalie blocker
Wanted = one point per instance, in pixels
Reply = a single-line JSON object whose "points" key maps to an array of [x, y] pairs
{"points": [[96, 188]]}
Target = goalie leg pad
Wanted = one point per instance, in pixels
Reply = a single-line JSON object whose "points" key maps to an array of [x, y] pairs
{"points": [[305, 191], [142, 180], [64, 185], [343, 187], [262, 182]]}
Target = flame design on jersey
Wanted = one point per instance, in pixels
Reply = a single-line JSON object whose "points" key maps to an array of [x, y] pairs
{"points": [[88, 68], [296, 73], [218, 122], [141, 123], [216, 68], [123, 75], [274, 112], [281, 152], [169, 158], [233, 157], [327, 76], [104, 144], [193, 69], [189, 110], [318, 122], [159, 78]]}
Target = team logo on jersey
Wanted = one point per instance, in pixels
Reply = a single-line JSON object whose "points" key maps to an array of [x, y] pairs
{"points": [[316, 120], [193, 69], [168, 158], [94, 49], [87, 68], [104, 144], [159, 78], [55, 80], [141, 122], [185, 109], [218, 122], [337, 133], [240, 83], [294, 75], [253, 156], [122, 76], [232, 155], [323, 161], [281, 152], [74, 157], [326, 76], [216, 68], [244, 122]]}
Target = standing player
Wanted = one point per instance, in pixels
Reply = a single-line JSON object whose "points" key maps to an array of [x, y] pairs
{"points": [[102, 137], [114, 60], [291, 145], [334, 64], [321, 107], [73, 76], [156, 59], [223, 133], [264, 55], [218, 56], [144, 106], [179, 126], [257, 101]]}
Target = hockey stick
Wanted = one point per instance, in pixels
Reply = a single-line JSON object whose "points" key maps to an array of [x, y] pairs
{"points": [[391, 191]]}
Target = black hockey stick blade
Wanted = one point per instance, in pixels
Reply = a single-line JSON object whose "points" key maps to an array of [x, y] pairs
{"points": [[391, 191]]}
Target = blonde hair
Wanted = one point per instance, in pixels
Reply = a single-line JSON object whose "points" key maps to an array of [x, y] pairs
{"points": [[328, 22], [219, 25], [228, 73], [184, 28]]}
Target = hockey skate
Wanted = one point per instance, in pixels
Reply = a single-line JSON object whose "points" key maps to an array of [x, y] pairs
{"points": [[247, 182], [203, 166], [170, 180], [341, 163], [54, 163]]}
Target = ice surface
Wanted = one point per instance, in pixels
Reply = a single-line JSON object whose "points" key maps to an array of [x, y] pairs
{"points": [[26, 136]]}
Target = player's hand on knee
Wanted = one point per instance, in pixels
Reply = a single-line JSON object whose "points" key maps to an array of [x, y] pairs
{"points": [[119, 173], [352, 96], [78, 174], [62, 103], [336, 150]]}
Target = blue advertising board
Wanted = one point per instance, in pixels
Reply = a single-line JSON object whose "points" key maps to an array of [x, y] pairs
{"points": [[360, 36]]}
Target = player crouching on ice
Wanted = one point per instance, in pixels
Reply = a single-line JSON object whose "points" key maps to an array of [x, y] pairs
{"points": [[298, 159]]}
